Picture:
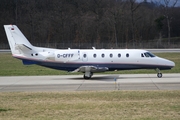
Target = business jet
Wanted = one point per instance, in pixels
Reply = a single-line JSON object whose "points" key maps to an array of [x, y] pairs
{"points": [[87, 61]]}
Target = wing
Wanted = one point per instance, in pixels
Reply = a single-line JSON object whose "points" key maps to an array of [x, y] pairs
{"points": [[92, 69]]}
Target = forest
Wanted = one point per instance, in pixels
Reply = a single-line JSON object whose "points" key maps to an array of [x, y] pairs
{"points": [[98, 23]]}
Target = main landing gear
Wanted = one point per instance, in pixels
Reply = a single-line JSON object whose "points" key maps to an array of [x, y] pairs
{"points": [[159, 74], [88, 75]]}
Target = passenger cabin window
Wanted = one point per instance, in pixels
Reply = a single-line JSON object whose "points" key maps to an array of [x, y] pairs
{"points": [[127, 55], [84, 55], [102, 55], [94, 55], [119, 55], [111, 55]]}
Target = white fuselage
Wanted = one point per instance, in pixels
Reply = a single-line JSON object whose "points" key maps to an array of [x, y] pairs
{"points": [[87, 61], [113, 59]]}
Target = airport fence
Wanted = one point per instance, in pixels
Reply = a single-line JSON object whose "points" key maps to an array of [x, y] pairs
{"points": [[130, 45]]}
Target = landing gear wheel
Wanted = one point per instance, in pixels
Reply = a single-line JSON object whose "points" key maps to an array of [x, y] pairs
{"points": [[85, 77], [159, 75], [88, 76]]}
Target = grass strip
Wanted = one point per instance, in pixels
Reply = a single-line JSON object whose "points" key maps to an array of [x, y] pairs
{"points": [[116, 105]]}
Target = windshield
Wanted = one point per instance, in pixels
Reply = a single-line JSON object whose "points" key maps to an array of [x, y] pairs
{"points": [[148, 54]]}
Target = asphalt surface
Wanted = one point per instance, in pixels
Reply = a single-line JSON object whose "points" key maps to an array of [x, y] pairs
{"points": [[97, 83]]}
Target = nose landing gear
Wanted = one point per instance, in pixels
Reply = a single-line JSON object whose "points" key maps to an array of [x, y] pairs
{"points": [[159, 74]]}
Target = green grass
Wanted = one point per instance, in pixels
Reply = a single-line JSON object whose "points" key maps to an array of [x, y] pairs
{"points": [[10, 66], [104, 105]]}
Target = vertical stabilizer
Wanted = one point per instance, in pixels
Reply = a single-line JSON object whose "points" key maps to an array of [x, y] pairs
{"points": [[16, 39]]}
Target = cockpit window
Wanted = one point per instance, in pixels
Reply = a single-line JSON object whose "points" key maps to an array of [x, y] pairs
{"points": [[148, 54], [142, 55]]}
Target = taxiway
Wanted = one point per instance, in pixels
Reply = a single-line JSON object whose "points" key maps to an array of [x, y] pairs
{"points": [[98, 82]]}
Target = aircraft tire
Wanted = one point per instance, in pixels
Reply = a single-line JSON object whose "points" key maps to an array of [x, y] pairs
{"points": [[85, 77], [159, 75]]}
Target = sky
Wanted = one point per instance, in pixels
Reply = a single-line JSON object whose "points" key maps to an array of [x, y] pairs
{"points": [[162, 1]]}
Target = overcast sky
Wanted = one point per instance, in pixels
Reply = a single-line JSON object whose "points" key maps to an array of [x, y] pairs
{"points": [[162, 1]]}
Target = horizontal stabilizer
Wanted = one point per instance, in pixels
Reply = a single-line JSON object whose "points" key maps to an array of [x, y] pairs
{"points": [[23, 47]]}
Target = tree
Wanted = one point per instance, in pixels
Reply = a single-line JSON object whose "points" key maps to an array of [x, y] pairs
{"points": [[159, 25], [133, 7], [166, 9]]}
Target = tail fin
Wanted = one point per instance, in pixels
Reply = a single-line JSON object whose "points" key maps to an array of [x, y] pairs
{"points": [[17, 41]]}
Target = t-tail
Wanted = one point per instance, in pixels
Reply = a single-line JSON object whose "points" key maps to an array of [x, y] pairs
{"points": [[17, 41], [22, 49]]}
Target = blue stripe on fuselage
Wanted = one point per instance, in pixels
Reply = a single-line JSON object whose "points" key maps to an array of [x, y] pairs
{"points": [[111, 66]]}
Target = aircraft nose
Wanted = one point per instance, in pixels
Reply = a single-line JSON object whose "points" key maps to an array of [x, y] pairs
{"points": [[169, 63]]}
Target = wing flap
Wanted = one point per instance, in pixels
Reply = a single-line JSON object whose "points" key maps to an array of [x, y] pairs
{"points": [[91, 69]]}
